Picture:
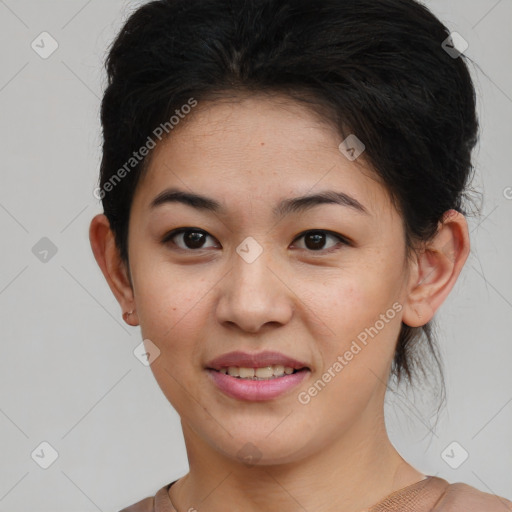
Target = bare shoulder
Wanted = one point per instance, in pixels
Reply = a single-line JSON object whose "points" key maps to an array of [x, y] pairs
{"points": [[145, 505], [461, 497]]}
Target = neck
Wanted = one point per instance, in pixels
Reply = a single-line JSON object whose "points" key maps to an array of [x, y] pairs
{"points": [[354, 473]]}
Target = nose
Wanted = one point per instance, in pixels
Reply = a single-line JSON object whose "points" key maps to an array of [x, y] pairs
{"points": [[255, 294]]}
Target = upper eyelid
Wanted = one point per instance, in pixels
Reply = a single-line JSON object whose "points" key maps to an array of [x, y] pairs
{"points": [[179, 231]]}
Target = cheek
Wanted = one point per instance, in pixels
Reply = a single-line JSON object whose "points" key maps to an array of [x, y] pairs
{"points": [[173, 310], [361, 316], [348, 303], [171, 304]]}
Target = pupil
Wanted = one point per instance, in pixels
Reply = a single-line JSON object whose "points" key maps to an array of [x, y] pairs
{"points": [[317, 237], [194, 237]]}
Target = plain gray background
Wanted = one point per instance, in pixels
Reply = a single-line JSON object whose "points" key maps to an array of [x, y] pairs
{"points": [[69, 377]]}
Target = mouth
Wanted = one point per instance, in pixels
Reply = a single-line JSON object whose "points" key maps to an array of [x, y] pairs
{"points": [[258, 376]]}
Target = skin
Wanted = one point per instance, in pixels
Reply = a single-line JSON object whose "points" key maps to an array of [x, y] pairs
{"points": [[196, 304]]}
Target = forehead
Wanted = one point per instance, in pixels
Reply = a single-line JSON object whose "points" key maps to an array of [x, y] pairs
{"points": [[257, 148]]}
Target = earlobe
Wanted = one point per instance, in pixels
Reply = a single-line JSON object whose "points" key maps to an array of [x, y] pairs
{"points": [[113, 268], [437, 269]]}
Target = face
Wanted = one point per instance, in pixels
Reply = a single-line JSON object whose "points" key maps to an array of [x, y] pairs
{"points": [[321, 283]]}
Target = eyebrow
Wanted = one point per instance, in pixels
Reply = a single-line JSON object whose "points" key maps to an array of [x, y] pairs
{"points": [[285, 207]]}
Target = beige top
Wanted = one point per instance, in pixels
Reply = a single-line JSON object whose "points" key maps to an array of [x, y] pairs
{"points": [[431, 494]]}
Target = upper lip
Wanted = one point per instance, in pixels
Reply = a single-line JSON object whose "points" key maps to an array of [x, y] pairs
{"points": [[257, 360]]}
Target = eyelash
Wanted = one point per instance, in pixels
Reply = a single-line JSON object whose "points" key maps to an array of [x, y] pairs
{"points": [[342, 240]]}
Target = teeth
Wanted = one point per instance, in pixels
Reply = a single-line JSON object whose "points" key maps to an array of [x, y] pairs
{"points": [[262, 373], [265, 372], [245, 373]]}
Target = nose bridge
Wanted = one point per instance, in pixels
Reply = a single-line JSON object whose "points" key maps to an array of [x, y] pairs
{"points": [[251, 272], [252, 294]]}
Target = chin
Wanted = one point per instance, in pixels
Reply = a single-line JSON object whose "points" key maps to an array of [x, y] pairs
{"points": [[257, 446]]}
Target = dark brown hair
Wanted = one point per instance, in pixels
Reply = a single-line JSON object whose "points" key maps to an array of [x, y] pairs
{"points": [[376, 68]]}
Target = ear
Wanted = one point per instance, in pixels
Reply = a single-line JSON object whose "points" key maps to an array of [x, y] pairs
{"points": [[436, 269], [108, 258]]}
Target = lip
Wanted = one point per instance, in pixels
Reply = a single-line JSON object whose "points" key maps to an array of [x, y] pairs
{"points": [[256, 390], [256, 360]]}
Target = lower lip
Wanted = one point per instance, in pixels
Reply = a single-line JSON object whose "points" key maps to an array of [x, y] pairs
{"points": [[256, 390]]}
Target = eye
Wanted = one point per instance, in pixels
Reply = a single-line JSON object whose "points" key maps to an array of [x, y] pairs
{"points": [[193, 238], [315, 239]]}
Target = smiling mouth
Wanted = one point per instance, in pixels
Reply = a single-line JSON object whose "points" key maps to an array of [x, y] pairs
{"points": [[262, 373]]}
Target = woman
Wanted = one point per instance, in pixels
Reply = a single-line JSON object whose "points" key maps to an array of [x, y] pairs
{"points": [[283, 185]]}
